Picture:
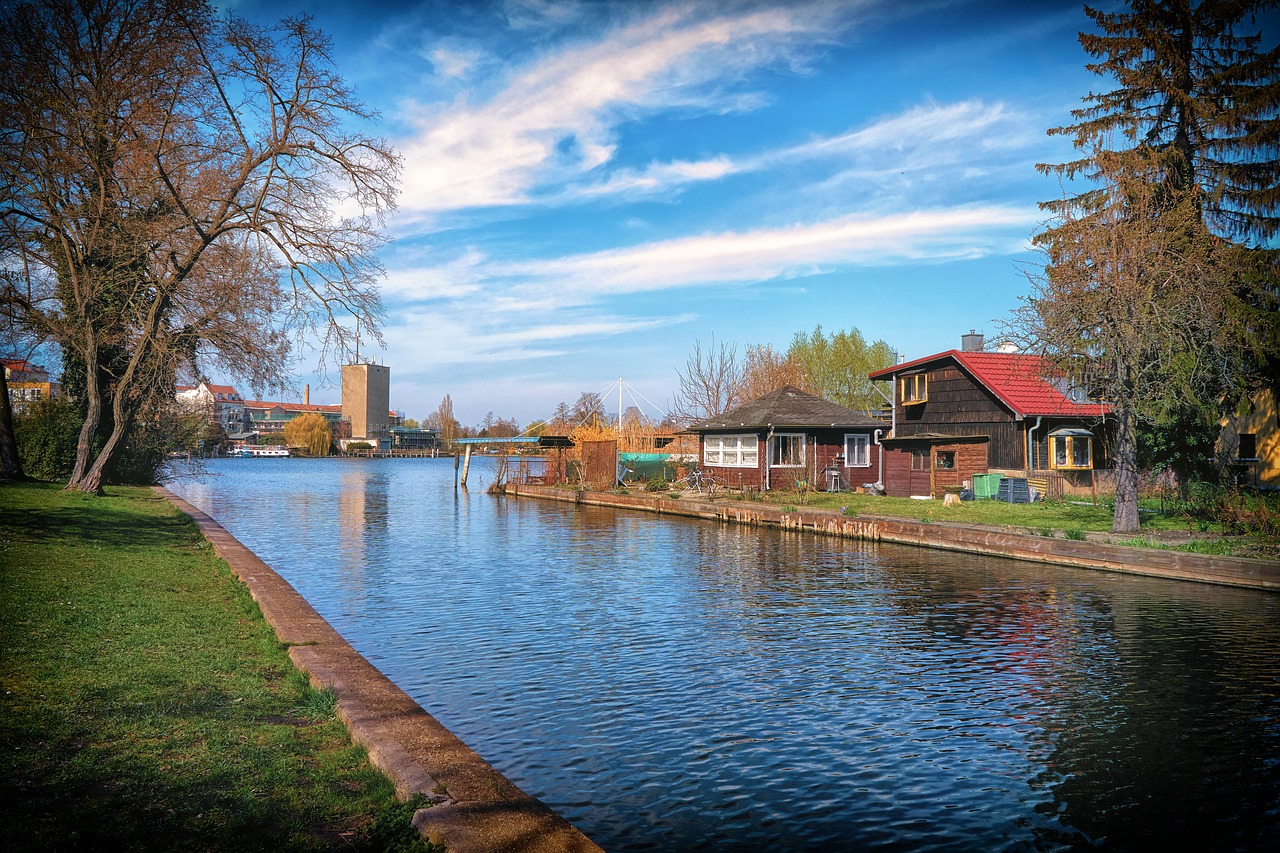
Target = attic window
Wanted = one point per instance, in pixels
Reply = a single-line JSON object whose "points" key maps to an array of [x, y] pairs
{"points": [[915, 389]]}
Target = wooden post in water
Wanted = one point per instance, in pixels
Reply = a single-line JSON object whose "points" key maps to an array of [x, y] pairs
{"points": [[466, 465]]}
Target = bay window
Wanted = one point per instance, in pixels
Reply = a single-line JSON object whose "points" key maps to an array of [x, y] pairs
{"points": [[1071, 449]]}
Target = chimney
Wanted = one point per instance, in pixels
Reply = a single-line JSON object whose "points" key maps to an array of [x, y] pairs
{"points": [[306, 394], [971, 342]]}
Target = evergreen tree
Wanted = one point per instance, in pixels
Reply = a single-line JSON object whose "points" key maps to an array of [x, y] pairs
{"points": [[1141, 272], [1193, 88]]}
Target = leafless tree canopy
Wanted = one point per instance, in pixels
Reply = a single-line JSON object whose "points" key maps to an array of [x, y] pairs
{"points": [[765, 370], [182, 189], [710, 383]]}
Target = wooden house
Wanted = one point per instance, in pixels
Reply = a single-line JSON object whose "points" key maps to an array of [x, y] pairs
{"points": [[965, 412], [788, 436]]}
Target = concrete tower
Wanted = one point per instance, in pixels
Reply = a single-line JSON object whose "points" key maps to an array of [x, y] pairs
{"points": [[366, 399]]}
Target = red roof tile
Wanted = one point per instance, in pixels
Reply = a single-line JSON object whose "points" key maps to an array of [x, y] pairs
{"points": [[1016, 379], [292, 407]]}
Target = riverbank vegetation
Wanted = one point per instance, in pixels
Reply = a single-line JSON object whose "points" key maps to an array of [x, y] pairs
{"points": [[1207, 520], [147, 705]]}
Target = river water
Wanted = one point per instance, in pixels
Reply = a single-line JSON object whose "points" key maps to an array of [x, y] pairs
{"points": [[681, 685]]}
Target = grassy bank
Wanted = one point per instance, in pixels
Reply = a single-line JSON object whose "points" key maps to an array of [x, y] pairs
{"points": [[1251, 528], [146, 705]]}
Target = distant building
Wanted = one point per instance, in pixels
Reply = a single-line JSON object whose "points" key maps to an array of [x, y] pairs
{"points": [[27, 383], [222, 404], [267, 418], [366, 401]]}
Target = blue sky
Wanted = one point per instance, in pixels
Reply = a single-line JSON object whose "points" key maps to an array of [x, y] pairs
{"points": [[591, 187]]}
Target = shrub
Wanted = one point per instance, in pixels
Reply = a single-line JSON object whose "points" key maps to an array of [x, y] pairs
{"points": [[656, 484], [46, 434]]}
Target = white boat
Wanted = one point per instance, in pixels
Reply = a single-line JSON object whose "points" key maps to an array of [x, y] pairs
{"points": [[269, 451]]}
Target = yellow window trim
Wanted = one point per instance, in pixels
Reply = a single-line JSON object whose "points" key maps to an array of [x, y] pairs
{"points": [[1053, 464], [919, 384]]}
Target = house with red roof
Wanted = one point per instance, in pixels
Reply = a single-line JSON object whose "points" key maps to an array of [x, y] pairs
{"points": [[221, 403], [27, 383], [968, 411]]}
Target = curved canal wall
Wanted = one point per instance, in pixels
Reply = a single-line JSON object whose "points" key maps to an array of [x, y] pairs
{"points": [[1152, 562], [476, 809]]}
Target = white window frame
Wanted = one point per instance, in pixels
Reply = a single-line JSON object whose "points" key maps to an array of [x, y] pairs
{"points": [[738, 450], [791, 438], [861, 443]]}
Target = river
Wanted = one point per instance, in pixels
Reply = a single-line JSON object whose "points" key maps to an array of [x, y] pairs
{"points": [[669, 684]]}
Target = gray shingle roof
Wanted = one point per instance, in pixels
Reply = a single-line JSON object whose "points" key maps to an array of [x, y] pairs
{"points": [[787, 407]]}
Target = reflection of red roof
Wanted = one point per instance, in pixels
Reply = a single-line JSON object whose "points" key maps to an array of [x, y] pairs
{"points": [[1017, 379]]}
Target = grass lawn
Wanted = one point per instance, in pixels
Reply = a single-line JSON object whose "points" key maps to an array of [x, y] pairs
{"points": [[1073, 520], [146, 705]]}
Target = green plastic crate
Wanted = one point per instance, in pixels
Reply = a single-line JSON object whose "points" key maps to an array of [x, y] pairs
{"points": [[985, 486]]}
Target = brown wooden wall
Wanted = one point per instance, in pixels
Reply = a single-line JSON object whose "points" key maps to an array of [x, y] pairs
{"points": [[822, 448], [901, 480], [959, 405]]}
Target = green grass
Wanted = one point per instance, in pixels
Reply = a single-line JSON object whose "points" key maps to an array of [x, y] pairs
{"points": [[146, 705], [1060, 519], [1033, 517]]}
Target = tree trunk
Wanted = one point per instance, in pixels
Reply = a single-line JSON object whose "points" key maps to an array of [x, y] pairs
{"points": [[1126, 468], [121, 389], [92, 480], [10, 464], [93, 397]]}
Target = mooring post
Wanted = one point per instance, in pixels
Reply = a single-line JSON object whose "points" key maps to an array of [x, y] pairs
{"points": [[466, 465]]}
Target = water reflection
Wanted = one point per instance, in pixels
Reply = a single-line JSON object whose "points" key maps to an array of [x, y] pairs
{"points": [[672, 685]]}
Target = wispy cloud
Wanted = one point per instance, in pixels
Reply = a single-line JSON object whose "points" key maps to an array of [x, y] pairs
{"points": [[765, 254], [555, 119], [925, 138]]}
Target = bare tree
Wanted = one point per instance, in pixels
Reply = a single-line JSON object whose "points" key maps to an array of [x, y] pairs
{"points": [[181, 188], [767, 370], [710, 384], [444, 421]]}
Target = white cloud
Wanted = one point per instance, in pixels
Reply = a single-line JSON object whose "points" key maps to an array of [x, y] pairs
{"points": [[555, 119], [453, 63], [764, 254], [929, 137]]}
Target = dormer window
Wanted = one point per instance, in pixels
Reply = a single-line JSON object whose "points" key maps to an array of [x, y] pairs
{"points": [[914, 389]]}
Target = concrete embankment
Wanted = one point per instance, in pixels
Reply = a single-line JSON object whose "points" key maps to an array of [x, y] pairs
{"points": [[973, 539], [477, 808]]}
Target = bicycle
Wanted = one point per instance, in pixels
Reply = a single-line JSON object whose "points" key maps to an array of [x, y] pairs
{"points": [[700, 481]]}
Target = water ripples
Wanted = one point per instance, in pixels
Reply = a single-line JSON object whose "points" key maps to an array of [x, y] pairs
{"points": [[671, 685]]}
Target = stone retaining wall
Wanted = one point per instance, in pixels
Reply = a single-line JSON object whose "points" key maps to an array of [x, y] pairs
{"points": [[477, 809], [1175, 565]]}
